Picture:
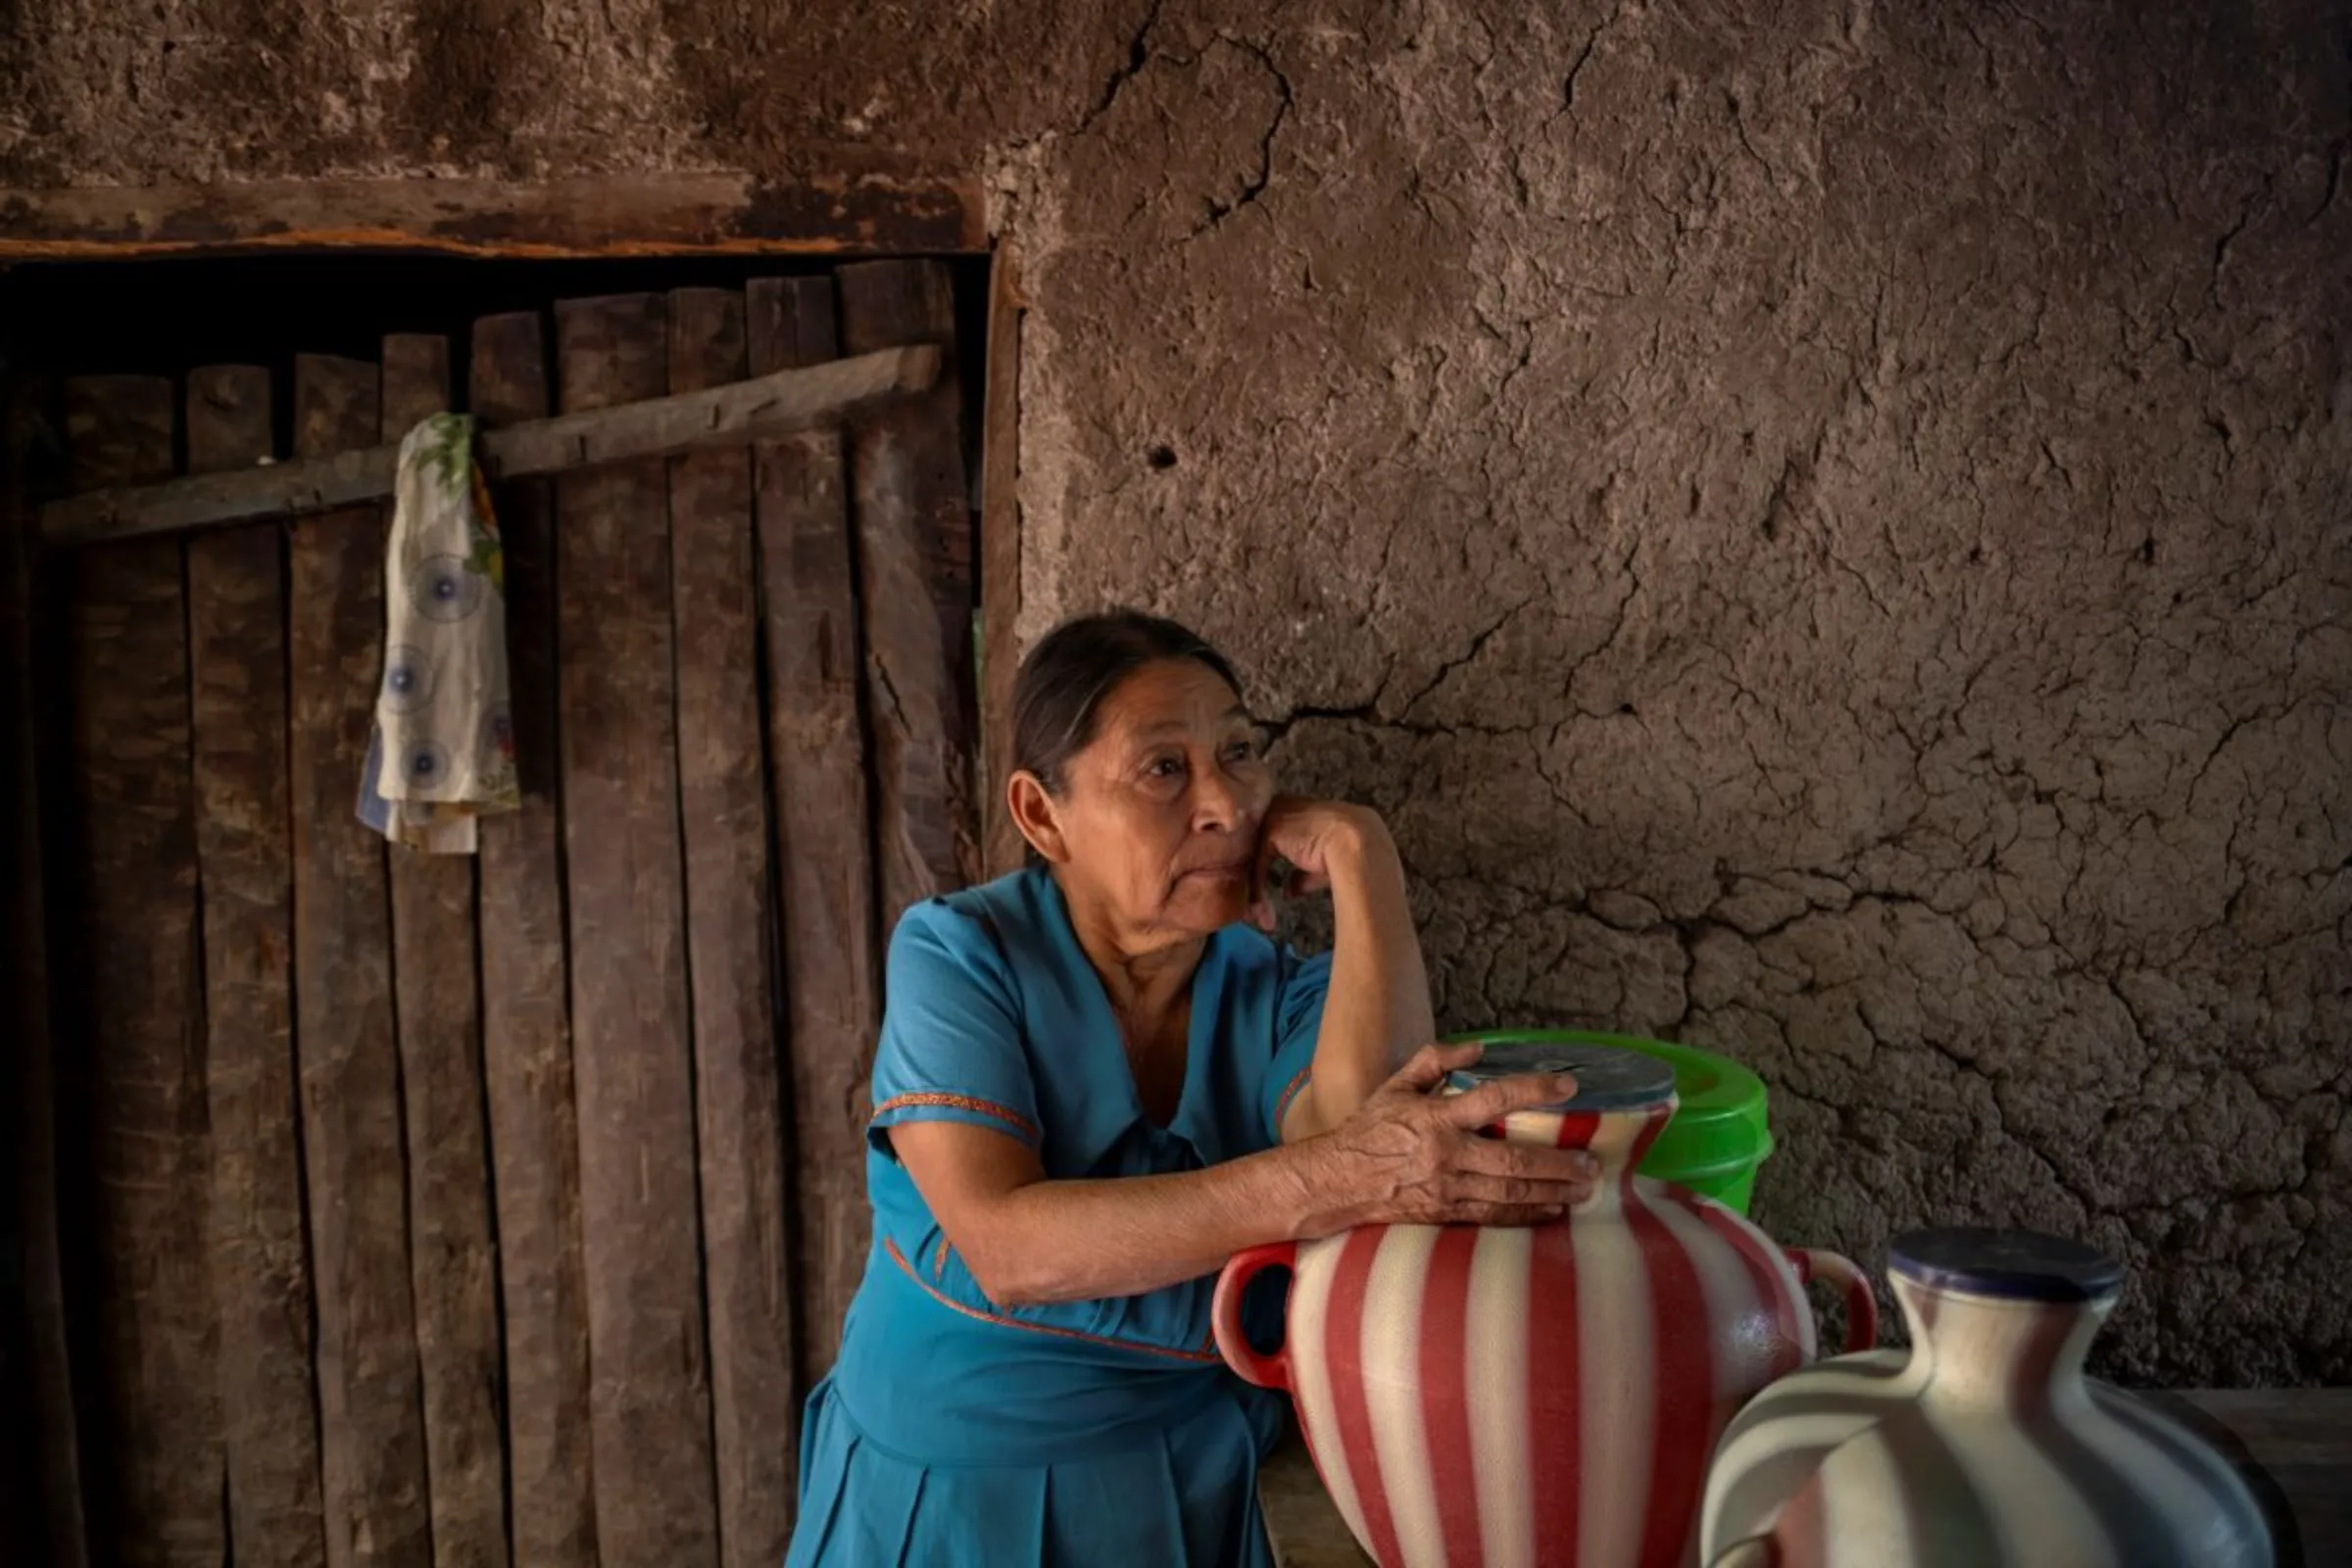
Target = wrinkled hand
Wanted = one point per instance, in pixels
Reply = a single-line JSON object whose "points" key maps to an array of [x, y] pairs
{"points": [[1316, 839], [1411, 1156]]}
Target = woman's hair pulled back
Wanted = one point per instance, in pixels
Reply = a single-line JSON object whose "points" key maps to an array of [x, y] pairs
{"points": [[1058, 695]]}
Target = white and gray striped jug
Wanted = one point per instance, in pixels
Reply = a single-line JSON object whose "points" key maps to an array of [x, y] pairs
{"points": [[1986, 1445]]}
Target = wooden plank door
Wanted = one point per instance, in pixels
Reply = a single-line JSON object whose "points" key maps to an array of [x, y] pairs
{"points": [[499, 1212]]}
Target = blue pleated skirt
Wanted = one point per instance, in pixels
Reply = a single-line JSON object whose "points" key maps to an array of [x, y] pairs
{"points": [[946, 1438], [1183, 1498]]}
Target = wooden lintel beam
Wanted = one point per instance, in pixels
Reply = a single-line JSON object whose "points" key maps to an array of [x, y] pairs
{"points": [[743, 411], [872, 203]]}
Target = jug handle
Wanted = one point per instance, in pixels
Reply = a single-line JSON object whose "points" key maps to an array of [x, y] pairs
{"points": [[1225, 1315], [1861, 1301]]}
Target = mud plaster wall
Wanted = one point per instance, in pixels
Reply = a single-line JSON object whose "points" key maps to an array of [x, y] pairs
{"points": [[1823, 525]]}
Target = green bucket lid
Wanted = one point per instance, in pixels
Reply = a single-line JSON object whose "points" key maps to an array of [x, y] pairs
{"points": [[1721, 1123]]}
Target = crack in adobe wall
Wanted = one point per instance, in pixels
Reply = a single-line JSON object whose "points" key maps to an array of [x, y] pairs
{"points": [[1139, 54], [1254, 184]]}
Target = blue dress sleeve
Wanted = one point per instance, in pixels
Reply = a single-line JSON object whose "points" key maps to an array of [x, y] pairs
{"points": [[1298, 1019], [951, 1046]]}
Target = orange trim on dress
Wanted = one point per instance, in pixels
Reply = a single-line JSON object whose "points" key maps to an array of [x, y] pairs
{"points": [[1000, 1319], [1289, 1092], [985, 1107]]}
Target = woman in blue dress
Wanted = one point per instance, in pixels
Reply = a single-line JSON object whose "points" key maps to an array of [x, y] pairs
{"points": [[1097, 1078]]}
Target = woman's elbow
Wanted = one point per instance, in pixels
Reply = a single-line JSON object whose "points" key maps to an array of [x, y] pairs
{"points": [[1011, 1274], [1008, 1282], [1007, 1297]]}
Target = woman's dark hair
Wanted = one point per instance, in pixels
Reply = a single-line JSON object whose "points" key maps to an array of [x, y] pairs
{"points": [[1059, 694]]}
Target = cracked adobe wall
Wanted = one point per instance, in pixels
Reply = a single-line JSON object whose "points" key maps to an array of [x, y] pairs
{"points": [[1824, 524], [1826, 529]]}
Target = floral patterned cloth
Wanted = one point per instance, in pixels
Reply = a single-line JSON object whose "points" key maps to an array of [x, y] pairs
{"points": [[442, 751]]}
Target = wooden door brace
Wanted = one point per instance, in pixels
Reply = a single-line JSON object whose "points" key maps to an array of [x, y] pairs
{"points": [[740, 411]]}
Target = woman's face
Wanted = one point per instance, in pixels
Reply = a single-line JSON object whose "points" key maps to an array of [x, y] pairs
{"points": [[1158, 817]]}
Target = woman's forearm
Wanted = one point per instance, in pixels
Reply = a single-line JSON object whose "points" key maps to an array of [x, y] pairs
{"points": [[1377, 1011], [1077, 1240]]}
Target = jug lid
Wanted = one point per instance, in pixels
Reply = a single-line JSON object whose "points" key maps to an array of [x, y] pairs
{"points": [[2014, 1265], [1607, 1079], [1721, 1123]]}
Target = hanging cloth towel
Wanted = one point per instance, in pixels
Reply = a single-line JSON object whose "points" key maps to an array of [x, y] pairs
{"points": [[441, 754]]}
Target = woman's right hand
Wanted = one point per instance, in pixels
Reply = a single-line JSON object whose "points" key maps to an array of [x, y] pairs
{"points": [[1410, 1156]]}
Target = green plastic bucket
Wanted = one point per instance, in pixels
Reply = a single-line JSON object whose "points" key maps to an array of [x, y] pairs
{"points": [[1718, 1135]]}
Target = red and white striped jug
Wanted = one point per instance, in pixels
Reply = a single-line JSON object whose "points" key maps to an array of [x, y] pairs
{"points": [[1508, 1397]]}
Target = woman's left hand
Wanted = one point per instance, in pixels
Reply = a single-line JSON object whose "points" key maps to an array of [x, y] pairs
{"points": [[1317, 840]]}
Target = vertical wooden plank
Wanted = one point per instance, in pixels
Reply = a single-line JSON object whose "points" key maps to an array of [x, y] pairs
{"points": [[648, 1386], [261, 1273], [27, 1176], [914, 557], [453, 1259], [817, 761], [35, 1355], [129, 674], [729, 926], [371, 1394], [526, 1020], [52, 1465], [1001, 560]]}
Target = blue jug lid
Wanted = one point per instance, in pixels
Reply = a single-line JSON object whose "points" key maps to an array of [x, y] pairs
{"points": [[1607, 1078], [2014, 1265]]}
